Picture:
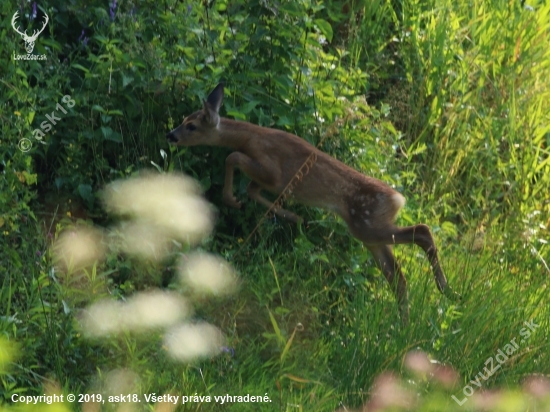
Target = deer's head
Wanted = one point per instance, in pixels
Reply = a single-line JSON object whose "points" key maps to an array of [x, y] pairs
{"points": [[201, 127], [29, 40]]}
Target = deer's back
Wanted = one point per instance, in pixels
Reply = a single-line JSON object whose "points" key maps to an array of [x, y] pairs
{"points": [[324, 182]]}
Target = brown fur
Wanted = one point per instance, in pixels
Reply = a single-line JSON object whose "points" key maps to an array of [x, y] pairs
{"points": [[272, 158]]}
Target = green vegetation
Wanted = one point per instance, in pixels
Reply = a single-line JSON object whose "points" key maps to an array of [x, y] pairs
{"points": [[447, 101]]}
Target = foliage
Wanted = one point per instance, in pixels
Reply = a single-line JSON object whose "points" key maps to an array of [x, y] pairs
{"points": [[482, 71]]}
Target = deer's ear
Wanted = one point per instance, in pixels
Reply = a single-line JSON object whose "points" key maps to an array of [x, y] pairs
{"points": [[210, 117], [214, 99]]}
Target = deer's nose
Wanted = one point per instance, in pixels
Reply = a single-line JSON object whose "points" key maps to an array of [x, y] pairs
{"points": [[171, 137]]}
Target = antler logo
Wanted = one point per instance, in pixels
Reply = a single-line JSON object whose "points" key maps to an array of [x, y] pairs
{"points": [[29, 40]]}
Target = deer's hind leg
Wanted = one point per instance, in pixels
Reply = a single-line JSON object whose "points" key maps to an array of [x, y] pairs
{"points": [[370, 219], [385, 260], [418, 234]]}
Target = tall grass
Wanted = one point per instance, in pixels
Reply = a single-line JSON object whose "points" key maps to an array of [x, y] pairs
{"points": [[482, 68]]}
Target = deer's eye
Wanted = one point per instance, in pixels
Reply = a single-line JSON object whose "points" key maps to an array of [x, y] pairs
{"points": [[190, 127]]}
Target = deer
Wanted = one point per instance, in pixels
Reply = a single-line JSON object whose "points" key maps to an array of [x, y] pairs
{"points": [[273, 158]]}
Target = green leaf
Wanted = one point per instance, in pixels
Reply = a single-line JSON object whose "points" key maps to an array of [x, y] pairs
{"points": [[126, 80], [421, 148], [80, 67], [102, 39], [206, 183], [276, 327], [287, 346], [85, 191], [30, 178], [106, 131], [283, 121], [449, 229], [236, 114], [88, 134], [21, 72], [117, 112], [248, 107], [325, 28], [323, 257], [52, 44], [115, 137]]}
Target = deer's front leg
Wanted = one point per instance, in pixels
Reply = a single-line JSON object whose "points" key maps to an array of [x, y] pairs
{"points": [[234, 159], [251, 167], [258, 172]]}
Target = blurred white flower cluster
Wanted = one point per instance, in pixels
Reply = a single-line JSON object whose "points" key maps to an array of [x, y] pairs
{"points": [[160, 209]]}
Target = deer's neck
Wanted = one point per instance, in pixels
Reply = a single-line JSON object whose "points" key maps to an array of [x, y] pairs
{"points": [[235, 134]]}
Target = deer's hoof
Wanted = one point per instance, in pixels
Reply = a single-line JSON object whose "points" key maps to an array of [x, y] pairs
{"points": [[231, 201]]}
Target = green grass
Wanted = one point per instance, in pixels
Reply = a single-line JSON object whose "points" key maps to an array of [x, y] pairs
{"points": [[314, 324]]}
